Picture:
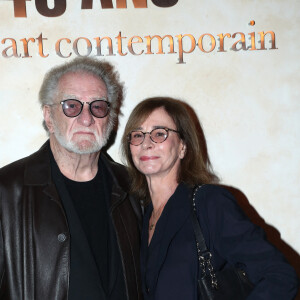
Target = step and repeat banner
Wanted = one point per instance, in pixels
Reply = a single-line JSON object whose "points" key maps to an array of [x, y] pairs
{"points": [[236, 63]]}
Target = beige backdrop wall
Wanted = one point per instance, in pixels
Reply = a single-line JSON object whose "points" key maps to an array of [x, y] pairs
{"points": [[247, 100]]}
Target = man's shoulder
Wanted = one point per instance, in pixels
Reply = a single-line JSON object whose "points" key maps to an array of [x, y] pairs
{"points": [[121, 177], [117, 171], [115, 167], [15, 169]]}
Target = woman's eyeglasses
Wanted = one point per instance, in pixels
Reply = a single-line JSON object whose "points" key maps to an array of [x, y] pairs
{"points": [[157, 135]]}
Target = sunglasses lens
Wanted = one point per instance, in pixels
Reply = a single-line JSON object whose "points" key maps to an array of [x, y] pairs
{"points": [[99, 108], [72, 108]]}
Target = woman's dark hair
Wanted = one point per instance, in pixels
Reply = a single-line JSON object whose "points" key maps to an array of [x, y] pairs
{"points": [[195, 167]]}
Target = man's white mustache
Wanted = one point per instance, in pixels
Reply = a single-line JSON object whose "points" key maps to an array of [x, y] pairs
{"points": [[84, 131]]}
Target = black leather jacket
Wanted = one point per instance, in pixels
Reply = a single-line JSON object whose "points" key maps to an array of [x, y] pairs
{"points": [[34, 235]]}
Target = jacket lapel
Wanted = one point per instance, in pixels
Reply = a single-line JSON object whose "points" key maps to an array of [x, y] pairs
{"points": [[38, 172], [83, 257], [174, 215], [115, 196]]}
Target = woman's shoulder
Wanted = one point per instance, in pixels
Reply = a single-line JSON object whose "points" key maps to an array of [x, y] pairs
{"points": [[213, 188], [214, 194], [215, 202]]}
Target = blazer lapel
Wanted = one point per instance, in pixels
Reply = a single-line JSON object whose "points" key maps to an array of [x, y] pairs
{"points": [[174, 215], [144, 241]]}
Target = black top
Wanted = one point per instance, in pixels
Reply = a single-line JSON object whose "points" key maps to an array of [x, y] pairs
{"points": [[94, 249], [90, 204]]}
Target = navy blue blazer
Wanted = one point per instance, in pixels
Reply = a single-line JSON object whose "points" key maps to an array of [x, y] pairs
{"points": [[169, 265]]}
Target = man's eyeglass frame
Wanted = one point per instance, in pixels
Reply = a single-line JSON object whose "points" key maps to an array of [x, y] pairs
{"points": [[82, 103]]}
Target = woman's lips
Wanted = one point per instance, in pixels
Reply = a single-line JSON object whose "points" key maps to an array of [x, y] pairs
{"points": [[145, 158]]}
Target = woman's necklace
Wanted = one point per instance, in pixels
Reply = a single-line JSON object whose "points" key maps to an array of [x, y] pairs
{"points": [[154, 217]]}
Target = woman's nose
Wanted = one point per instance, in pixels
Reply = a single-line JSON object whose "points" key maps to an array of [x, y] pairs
{"points": [[147, 143]]}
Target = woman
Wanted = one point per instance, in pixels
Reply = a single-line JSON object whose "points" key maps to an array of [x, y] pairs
{"points": [[165, 161]]}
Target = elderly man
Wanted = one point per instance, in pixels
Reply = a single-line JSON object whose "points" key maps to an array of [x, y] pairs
{"points": [[69, 229]]}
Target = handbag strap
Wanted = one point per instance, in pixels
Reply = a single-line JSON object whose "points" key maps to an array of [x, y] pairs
{"points": [[201, 245], [204, 255]]}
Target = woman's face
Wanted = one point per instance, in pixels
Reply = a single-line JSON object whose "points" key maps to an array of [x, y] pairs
{"points": [[161, 160]]}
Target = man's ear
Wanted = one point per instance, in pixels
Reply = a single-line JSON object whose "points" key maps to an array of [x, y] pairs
{"points": [[48, 118]]}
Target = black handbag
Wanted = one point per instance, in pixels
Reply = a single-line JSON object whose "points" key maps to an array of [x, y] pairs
{"points": [[230, 283]]}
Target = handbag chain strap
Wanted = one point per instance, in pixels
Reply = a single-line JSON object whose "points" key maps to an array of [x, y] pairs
{"points": [[204, 255]]}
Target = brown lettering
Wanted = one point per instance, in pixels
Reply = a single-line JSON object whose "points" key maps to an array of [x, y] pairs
{"points": [[13, 47], [98, 45], [181, 51], [58, 48], [221, 36], [20, 8], [130, 42], [89, 46], [58, 9], [200, 42], [119, 40], [160, 46], [40, 42], [262, 40], [25, 46], [242, 41], [164, 3]]}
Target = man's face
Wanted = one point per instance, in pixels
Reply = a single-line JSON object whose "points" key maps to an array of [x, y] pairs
{"points": [[85, 133]]}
